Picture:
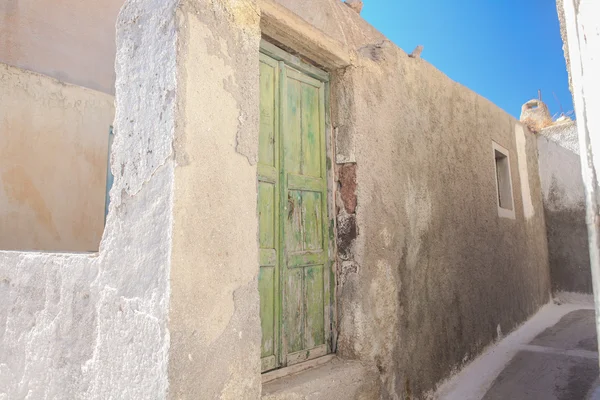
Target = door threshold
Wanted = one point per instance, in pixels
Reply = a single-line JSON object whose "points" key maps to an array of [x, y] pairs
{"points": [[293, 369]]}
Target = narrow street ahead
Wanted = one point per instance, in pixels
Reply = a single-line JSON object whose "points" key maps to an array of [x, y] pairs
{"points": [[552, 356]]}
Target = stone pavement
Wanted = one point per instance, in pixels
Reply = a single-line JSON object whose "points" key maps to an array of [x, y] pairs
{"points": [[552, 356]]}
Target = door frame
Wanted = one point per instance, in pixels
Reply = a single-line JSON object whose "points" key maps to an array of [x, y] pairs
{"points": [[295, 62]]}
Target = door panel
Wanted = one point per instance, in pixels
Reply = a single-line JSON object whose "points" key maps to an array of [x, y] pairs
{"points": [[311, 143], [294, 279], [312, 218], [268, 214], [306, 314], [314, 324], [294, 310]]}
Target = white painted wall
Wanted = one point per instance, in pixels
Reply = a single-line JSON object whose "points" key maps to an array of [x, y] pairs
{"points": [[580, 27]]}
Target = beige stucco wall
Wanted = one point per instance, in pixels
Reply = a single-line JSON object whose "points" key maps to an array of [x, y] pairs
{"points": [[53, 157], [438, 273], [71, 40], [214, 314]]}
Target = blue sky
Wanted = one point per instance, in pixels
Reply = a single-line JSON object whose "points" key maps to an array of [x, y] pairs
{"points": [[504, 50]]}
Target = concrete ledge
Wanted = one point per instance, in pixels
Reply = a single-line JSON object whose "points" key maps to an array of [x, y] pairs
{"points": [[282, 25], [337, 379]]}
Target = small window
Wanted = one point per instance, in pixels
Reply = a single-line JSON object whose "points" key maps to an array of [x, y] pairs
{"points": [[506, 207]]}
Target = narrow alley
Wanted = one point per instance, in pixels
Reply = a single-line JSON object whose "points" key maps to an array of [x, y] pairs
{"points": [[551, 356]]}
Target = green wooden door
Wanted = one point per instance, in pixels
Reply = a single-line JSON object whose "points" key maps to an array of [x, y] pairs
{"points": [[294, 279]]}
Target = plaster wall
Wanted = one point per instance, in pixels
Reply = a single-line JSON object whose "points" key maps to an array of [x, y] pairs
{"points": [[580, 30], [438, 274], [53, 157], [70, 40], [433, 275], [214, 313], [95, 326], [564, 209]]}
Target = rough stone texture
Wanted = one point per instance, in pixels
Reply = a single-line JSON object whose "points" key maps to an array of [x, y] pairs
{"points": [[564, 133], [347, 232], [564, 209], [336, 20], [214, 314], [50, 132], [338, 379], [70, 40], [431, 271], [95, 326], [535, 115]]}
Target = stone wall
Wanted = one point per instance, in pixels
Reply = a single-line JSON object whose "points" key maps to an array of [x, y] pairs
{"points": [[53, 158]]}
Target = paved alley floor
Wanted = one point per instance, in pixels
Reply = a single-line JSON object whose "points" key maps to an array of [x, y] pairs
{"points": [[552, 356]]}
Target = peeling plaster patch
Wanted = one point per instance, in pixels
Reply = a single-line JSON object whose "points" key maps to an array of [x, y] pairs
{"points": [[521, 141], [376, 51], [215, 70], [232, 46], [214, 315], [386, 237], [343, 111]]}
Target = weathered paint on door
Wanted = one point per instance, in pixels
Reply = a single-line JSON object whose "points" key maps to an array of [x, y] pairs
{"points": [[294, 280]]}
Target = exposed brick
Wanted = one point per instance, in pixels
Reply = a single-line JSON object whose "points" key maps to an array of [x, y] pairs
{"points": [[347, 176]]}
